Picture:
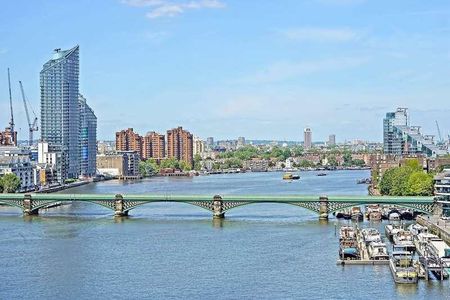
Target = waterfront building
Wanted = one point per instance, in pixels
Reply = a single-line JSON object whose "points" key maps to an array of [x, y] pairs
{"points": [[400, 138], [180, 145], [332, 140], [199, 146], [60, 123], [307, 138], [442, 183], [123, 164], [128, 140], [154, 146], [88, 139], [15, 160], [257, 165]]}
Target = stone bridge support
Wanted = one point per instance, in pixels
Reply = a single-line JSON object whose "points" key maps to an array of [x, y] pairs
{"points": [[28, 207], [119, 206], [218, 209], [323, 208]]}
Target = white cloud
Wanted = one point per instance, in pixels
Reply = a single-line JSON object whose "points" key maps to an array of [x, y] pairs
{"points": [[286, 70], [166, 8], [311, 34]]}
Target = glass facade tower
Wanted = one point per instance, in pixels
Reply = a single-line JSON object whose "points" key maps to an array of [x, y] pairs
{"points": [[60, 122], [88, 139]]}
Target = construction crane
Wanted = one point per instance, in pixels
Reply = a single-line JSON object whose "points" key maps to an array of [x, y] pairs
{"points": [[439, 133], [31, 126], [11, 122]]}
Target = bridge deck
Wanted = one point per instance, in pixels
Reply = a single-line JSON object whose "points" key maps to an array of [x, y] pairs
{"points": [[225, 198]]}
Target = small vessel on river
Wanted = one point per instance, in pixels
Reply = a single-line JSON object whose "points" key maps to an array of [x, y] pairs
{"points": [[404, 238], [391, 230], [348, 245], [356, 213], [378, 251], [290, 176], [402, 267]]}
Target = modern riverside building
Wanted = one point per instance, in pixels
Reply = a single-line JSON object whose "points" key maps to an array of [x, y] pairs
{"points": [[88, 139], [128, 140], [180, 145], [68, 124], [154, 146], [14, 160], [399, 138], [59, 109], [307, 138]]}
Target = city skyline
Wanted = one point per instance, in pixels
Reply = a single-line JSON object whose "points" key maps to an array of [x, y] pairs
{"points": [[338, 76]]}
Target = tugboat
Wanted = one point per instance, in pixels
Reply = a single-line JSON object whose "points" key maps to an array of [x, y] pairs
{"points": [[402, 267]]}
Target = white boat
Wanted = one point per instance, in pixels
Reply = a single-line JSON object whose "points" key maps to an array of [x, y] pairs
{"points": [[402, 267], [374, 212], [371, 235], [404, 238], [391, 230], [394, 216], [417, 229], [378, 251], [439, 248]]}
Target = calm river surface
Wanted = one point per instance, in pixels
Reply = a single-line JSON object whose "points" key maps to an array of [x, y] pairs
{"points": [[176, 251]]}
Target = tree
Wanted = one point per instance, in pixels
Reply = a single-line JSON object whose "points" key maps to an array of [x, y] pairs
{"points": [[197, 162], [420, 184], [148, 167], [332, 161], [386, 181], [10, 183], [297, 151], [358, 162], [347, 158]]}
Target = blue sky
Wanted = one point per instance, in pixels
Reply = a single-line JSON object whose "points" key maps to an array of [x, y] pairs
{"points": [[226, 68]]}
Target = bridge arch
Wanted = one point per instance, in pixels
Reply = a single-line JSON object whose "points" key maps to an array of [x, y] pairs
{"points": [[416, 207]]}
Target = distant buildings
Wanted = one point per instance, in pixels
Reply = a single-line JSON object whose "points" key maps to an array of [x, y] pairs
{"points": [[68, 124], [307, 138], [332, 140], [210, 142], [14, 160], [180, 145], [128, 140], [154, 146], [199, 146], [7, 138], [241, 142], [123, 164], [399, 138]]}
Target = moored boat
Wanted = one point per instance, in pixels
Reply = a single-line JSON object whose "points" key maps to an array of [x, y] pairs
{"points": [[404, 238], [371, 235], [290, 176], [391, 230], [356, 214], [374, 212], [378, 251], [402, 267], [348, 243]]}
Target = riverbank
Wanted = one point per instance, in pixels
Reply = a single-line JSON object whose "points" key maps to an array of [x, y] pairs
{"points": [[437, 226]]}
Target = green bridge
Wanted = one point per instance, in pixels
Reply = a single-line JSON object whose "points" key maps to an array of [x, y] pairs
{"points": [[217, 205]]}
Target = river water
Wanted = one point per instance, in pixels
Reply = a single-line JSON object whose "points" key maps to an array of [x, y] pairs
{"points": [[173, 251]]}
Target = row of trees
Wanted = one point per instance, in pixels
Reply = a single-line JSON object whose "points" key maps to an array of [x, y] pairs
{"points": [[9, 183], [407, 180], [151, 167]]}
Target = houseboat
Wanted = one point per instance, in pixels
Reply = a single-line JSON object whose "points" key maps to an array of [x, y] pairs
{"points": [[404, 238], [378, 251], [403, 268]]}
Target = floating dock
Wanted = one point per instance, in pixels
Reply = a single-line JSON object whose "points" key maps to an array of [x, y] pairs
{"points": [[356, 262]]}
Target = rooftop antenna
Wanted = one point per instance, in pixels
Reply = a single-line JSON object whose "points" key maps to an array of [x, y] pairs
{"points": [[11, 122]]}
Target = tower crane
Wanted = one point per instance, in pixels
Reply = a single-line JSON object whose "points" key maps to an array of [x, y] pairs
{"points": [[11, 122], [31, 126]]}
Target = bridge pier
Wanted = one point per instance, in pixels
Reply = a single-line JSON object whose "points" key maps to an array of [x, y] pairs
{"points": [[119, 207], [27, 206], [218, 212], [323, 208]]}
